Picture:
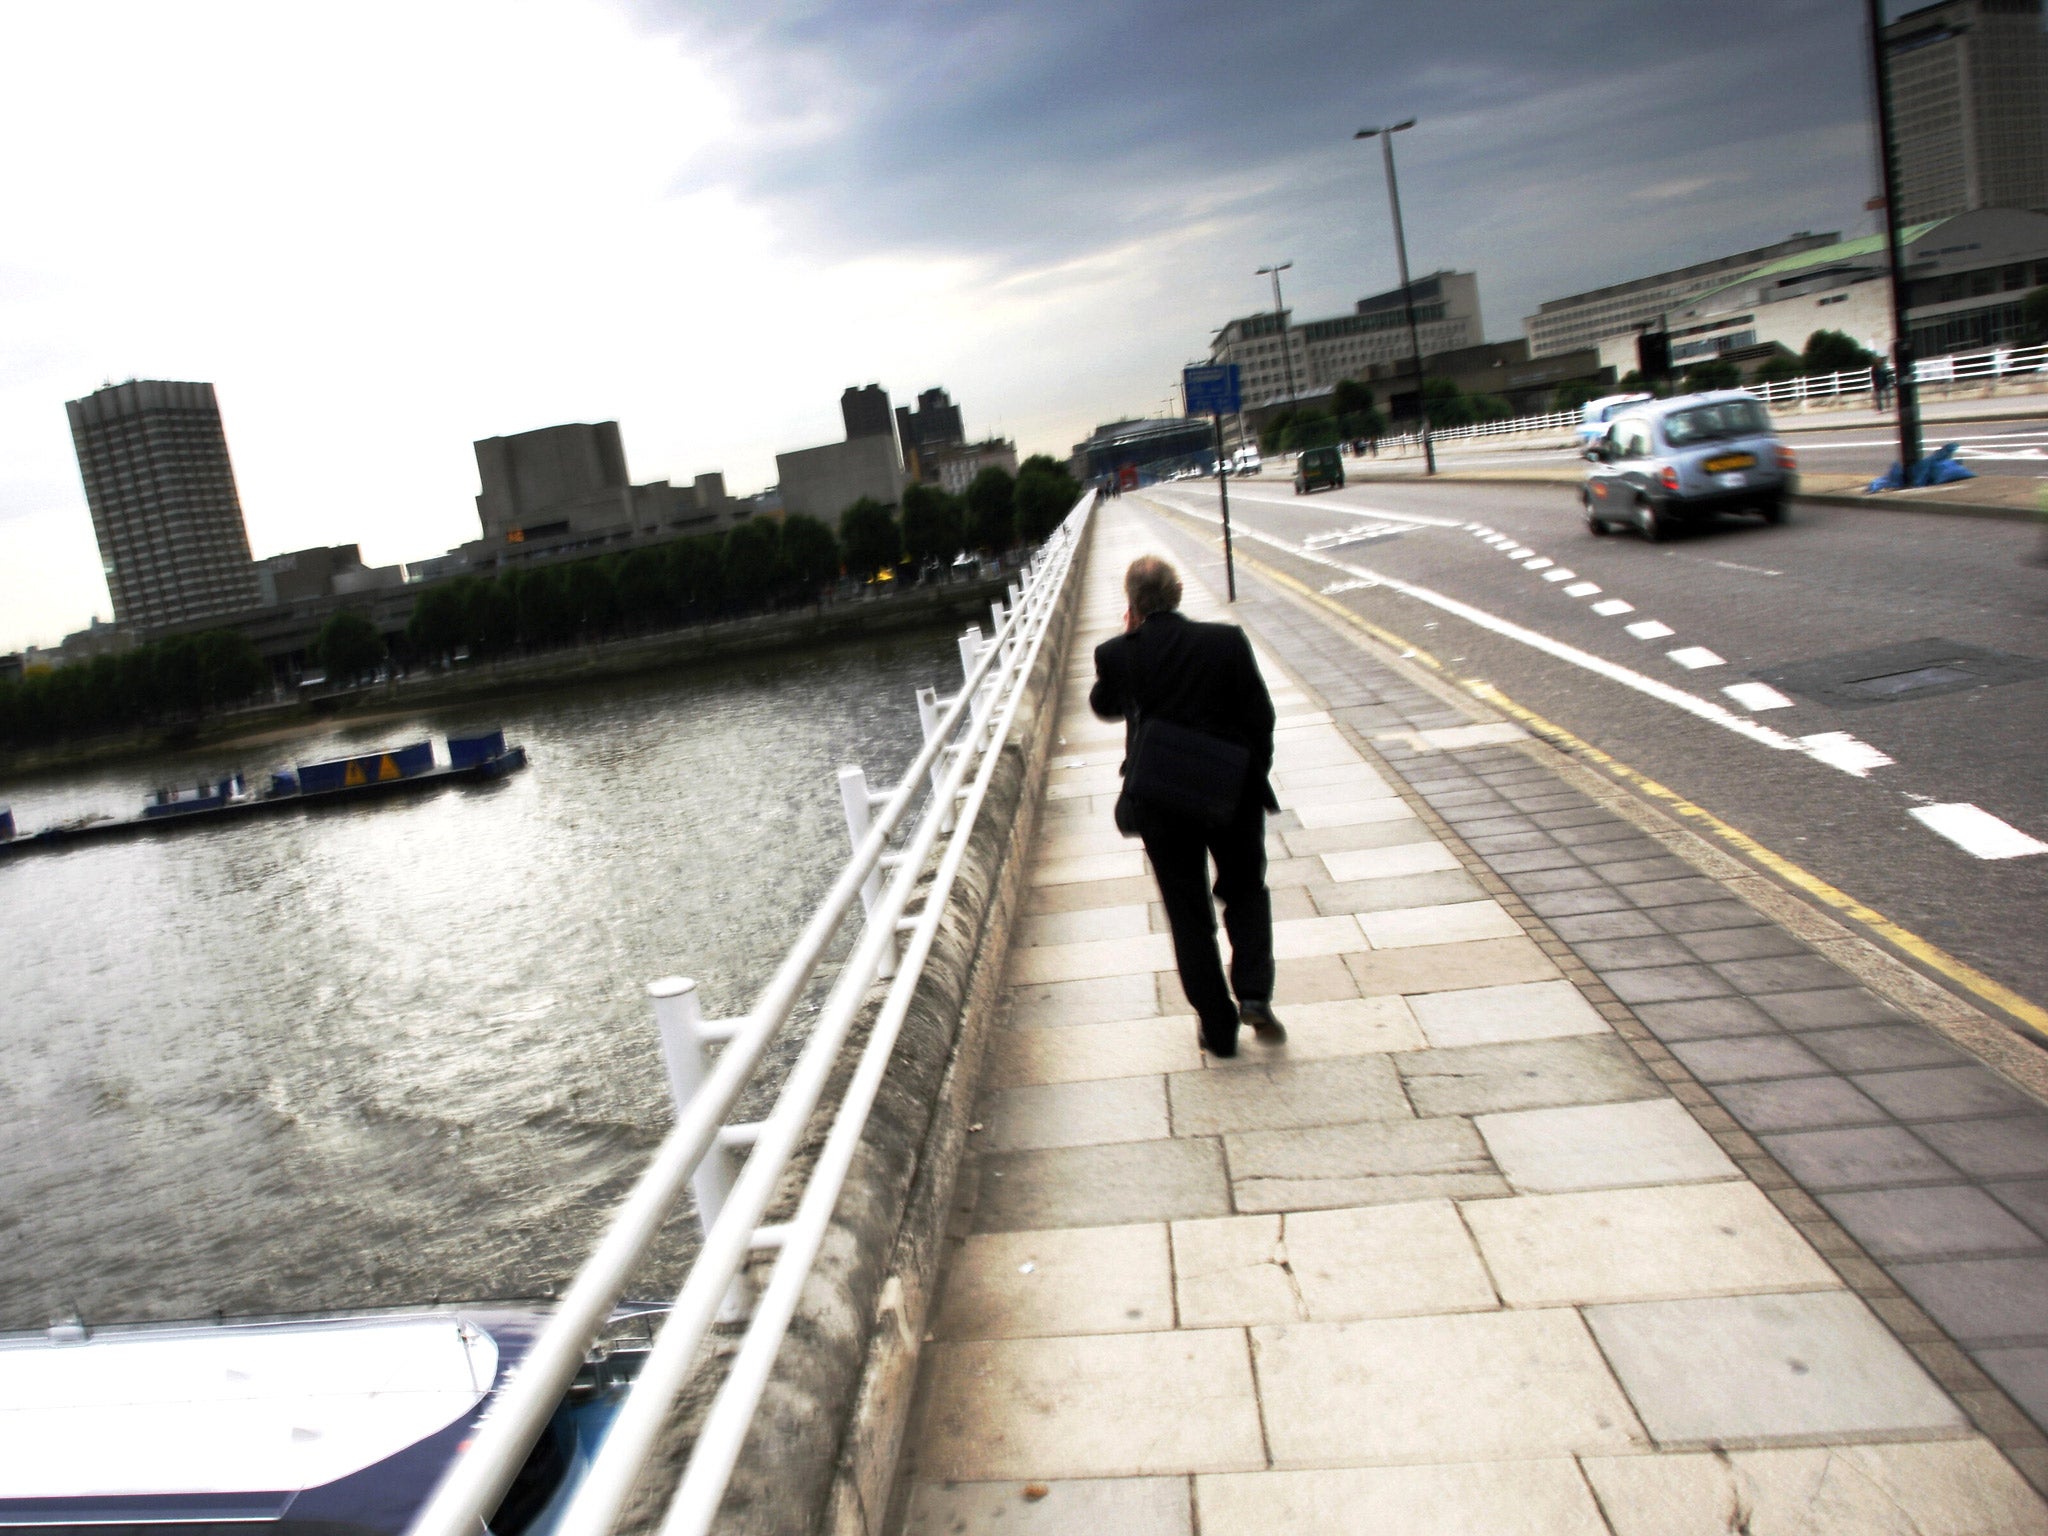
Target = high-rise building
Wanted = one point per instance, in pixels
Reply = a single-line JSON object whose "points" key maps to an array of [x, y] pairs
{"points": [[570, 478], [928, 432], [164, 509], [1969, 89], [1583, 319], [866, 412]]}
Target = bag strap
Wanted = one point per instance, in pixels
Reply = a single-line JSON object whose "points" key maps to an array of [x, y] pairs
{"points": [[1132, 709]]}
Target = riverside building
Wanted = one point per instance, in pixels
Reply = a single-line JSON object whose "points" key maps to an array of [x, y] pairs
{"points": [[154, 460]]}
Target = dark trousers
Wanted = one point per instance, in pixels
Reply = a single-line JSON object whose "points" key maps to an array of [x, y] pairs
{"points": [[1180, 852]]}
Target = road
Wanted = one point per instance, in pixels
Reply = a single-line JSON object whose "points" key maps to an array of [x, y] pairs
{"points": [[1726, 666], [1994, 446]]}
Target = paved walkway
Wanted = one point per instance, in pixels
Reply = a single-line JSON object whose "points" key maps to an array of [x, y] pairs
{"points": [[1473, 1252]]}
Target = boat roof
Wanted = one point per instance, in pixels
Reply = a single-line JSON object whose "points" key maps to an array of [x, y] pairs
{"points": [[231, 1408]]}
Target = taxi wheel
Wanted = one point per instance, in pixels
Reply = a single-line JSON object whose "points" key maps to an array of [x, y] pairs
{"points": [[1597, 526], [1773, 510], [1656, 527]]}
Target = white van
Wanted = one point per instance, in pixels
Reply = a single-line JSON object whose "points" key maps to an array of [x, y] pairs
{"points": [[1246, 460]]}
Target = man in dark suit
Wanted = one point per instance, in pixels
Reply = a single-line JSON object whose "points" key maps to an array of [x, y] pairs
{"points": [[1165, 666]]}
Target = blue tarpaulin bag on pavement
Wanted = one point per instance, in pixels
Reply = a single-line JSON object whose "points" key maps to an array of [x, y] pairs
{"points": [[1938, 468]]}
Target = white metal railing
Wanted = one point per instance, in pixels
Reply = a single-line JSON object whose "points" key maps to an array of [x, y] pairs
{"points": [[939, 795], [1960, 371]]}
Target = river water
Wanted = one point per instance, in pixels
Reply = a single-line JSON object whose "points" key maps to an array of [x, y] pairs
{"points": [[401, 1051]]}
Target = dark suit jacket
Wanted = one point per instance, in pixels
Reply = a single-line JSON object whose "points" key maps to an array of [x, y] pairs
{"points": [[1198, 675]]}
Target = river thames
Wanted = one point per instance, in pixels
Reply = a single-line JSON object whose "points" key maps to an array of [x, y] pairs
{"points": [[383, 1054]]}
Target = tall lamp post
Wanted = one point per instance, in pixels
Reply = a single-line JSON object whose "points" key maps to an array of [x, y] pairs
{"points": [[1888, 161], [1280, 314], [1386, 138]]}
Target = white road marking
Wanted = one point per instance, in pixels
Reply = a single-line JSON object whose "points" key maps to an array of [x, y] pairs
{"points": [[1754, 570], [1582, 589], [1978, 831], [1838, 749], [1755, 696], [1540, 563], [1559, 574], [1650, 629], [1520, 553], [1612, 606], [1694, 657]]}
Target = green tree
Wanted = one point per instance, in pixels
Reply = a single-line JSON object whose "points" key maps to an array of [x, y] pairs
{"points": [[931, 523], [1045, 494], [697, 572], [1273, 431], [991, 510], [646, 595], [748, 562], [1835, 352], [810, 555], [1311, 429], [872, 539], [592, 589], [1574, 393], [348, 646], [231, 669], [1779, 366], [1358, 415], [440, 621], [1713, 373], [1446, 405]]}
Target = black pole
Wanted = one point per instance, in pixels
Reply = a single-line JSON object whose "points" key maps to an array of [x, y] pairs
{"points": [[1408, 300], [1902, 338], [1223, 490]]}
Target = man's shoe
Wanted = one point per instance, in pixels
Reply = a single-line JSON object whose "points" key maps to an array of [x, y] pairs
{"points": [[1260, 1016], [1213, 1048]]}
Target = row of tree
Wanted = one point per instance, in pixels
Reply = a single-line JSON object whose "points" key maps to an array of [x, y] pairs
{"points": [[165, 683]]}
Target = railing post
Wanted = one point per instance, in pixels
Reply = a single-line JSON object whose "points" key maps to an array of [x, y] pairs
{"points": [[928, 713], [679, 1021], [970, 654], [853, 795]]}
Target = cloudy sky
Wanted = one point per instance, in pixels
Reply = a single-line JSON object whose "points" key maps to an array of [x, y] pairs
{"points": [[387, 229]]}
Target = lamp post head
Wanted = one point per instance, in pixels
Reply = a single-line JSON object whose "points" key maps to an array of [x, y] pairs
{"points": [[1282, 267], [1367, 133]]}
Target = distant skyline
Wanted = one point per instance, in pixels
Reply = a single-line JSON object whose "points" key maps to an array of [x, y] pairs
{"points": [[385, 232]]}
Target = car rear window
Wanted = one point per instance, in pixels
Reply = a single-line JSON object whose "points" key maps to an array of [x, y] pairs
{"points": [[1710, 423]]}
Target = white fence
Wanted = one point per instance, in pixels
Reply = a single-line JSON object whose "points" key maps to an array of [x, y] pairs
{"points": [[897, 835], [1967, 371]]}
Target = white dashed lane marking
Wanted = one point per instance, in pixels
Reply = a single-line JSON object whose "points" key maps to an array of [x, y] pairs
{"points": [[1757, 696], [1612, 606], [1559, 574], [1582, 589], [1694, 657], [1650, 629], [1978, 832]]}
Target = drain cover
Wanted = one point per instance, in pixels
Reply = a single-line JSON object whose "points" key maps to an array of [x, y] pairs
{"points": [[1914, 669]]}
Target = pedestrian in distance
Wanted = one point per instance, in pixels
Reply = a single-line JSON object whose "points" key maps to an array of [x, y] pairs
{"points": [[1198, 750], [1881, 384]]}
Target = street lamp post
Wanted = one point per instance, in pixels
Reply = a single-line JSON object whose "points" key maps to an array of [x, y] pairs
{"points": [[1280, 315], [1888, 166], [1386, 138]]}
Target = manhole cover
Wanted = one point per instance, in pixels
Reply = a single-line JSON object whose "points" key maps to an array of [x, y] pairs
{"points": [[1914, 669]]}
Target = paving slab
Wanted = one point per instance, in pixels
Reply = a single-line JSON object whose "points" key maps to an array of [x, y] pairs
{"points": [[1750, 1370], [1076, 1114], [1615, 1245], [1091, 959], [1096, 1406], [1372, 1163], [1603, 1146], [1508, 1498], [1063, 1280], [1449, 923], [1988, 1301], [1943, 1488], [1536, 1074], [1081, 1052], [1328, 1266], [1272, 1093], [1125, 922], [1130, 1506], [1346, 1026], [1931, 1221], [1417, 858], [1048, 1005], [1528, 1384], [1110, 1185], [1496, 1015]]}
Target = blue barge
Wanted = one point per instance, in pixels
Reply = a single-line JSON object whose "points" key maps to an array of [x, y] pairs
{"points": [[336, 781]]}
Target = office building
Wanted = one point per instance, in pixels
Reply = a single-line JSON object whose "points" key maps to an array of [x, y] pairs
{"points": [[930, 430], [955, 468], [164, 508], [866, 412], [1585, 319], [1969, 89], [1273, 354], [1965, 279]]}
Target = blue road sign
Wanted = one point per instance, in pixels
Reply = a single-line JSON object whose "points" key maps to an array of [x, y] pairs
{"points": [[1210, 390]]}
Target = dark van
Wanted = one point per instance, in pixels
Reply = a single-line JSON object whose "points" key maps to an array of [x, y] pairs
{"points": [[1316, 469]]}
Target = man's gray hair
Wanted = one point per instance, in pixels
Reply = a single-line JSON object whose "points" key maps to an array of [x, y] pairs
{"points": [[1152, 586]]}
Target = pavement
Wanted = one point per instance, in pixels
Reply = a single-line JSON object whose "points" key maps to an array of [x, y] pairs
{"points": [[1594, 1190]]}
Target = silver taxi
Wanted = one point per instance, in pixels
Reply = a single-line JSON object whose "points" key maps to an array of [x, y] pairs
{"points": [[1664, 463]]}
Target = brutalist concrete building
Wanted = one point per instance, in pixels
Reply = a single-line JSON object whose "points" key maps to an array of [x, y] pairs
{"points": [[164, 508]]}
